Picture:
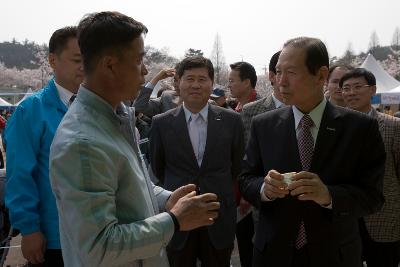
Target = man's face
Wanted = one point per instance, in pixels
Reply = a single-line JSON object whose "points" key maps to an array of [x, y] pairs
{"points": [[130, 70], [236, 85], [195, 87], [67, 66], [297, 85], [335, 92], [357, 94]]}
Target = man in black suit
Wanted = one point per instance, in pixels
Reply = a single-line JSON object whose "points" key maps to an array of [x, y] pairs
{"points": [[202, 144], [338, 156]]}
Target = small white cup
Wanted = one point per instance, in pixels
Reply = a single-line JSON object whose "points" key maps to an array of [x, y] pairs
{"points": [[287, 177]]}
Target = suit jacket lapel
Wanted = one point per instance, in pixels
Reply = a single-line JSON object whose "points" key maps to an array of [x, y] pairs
{"points": [[180, 126], [213, 122], [329, 130]]}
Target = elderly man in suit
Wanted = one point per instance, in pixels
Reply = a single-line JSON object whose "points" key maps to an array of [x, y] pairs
{"points": [[312, 168], [110, 213], [202, 144], [380, 231]]}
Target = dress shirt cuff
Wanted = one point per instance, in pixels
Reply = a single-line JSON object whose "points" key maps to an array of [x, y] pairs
{"points": [[149, 85], [175, 220], [263, 196]]}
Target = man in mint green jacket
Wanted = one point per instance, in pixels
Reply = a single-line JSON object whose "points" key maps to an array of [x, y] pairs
{"points": [[110, 214]]}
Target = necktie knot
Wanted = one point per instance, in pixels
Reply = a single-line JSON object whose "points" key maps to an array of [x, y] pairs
{"points": [[306, 122], [71, 99]]}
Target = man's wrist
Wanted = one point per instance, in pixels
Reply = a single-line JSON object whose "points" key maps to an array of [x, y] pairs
{"points": [[175, 220]]}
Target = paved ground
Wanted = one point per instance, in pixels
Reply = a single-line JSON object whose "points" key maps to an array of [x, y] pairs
{"points": [[15, 259]]}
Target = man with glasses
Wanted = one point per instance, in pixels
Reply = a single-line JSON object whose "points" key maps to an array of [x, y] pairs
{"points": [[380, 232]]}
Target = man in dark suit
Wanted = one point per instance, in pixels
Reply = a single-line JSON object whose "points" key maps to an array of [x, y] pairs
{"points": [[311, 218], [270, 102], [202, 144]]}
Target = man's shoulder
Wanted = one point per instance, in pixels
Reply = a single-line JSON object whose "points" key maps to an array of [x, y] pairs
{"points": [[273, 114], [227, 113], [168, 114], [389, 122]]}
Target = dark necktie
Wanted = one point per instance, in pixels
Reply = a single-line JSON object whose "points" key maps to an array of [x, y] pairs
{"points": [[305, 144], [71, 99]]}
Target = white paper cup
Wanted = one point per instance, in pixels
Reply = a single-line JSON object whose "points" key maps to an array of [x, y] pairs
{"points": [[287, 177]]}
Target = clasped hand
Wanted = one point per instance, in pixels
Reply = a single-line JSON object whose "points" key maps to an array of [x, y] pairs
{"points": [[304, 186]]}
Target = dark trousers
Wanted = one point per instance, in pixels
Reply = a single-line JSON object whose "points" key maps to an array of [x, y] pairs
{"points": [[199, 247], [379, 254], [301, 258], [52, 257], [244, 237]]}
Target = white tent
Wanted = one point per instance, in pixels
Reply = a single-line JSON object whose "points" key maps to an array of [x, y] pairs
{"points": [[4, 103], [395, 90], [28, 93], [384, 82]]}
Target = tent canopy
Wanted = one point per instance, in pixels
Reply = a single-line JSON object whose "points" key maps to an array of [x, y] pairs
{"points": [[384, 82], [28, 93], [4, 103]]}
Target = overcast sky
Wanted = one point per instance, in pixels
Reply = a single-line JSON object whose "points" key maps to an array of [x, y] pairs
{"points": [[252, 30]]}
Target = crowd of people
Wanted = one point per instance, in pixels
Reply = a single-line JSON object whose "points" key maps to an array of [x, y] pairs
{"points": [[308, 175]]}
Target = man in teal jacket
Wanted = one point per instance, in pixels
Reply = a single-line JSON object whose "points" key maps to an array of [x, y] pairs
{"points": [[28, 136], [110, 213]]}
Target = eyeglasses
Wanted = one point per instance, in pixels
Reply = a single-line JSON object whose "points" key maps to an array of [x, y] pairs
{"points": [[356, 88]]}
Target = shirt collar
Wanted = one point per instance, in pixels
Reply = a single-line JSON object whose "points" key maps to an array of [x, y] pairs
{"points": [[203, 112], [315, 114], [65, 95], [277, 103]]}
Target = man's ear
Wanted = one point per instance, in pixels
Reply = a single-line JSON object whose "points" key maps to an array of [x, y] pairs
{"points": [[323, 75], [108, 65], [373, 89], [52, 60]]}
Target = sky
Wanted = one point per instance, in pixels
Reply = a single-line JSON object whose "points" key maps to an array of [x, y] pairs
{"points": [[251, 30]]}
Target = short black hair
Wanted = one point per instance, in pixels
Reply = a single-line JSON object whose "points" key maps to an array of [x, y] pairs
{"points": [[103, 32], [273, 61], [356, 73], [195, 62], [60, 38], [316, 52], [246, 71], [339, 65]]}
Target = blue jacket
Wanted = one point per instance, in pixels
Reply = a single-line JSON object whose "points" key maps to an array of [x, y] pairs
{"points": [[28, 136]]}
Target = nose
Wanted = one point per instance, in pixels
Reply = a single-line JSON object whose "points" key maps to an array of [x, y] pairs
{"points": [[195, 84], [282, 79], [144, 69]]}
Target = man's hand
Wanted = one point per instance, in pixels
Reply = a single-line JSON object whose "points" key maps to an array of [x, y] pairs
{"points": [[177, 194], [308, 186], [33, 247], [163, 74], [193, 211], [274, 186]]}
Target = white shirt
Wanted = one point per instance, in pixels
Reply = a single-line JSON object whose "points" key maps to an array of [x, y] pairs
{"points": [[65, 95], [202, 130]]}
